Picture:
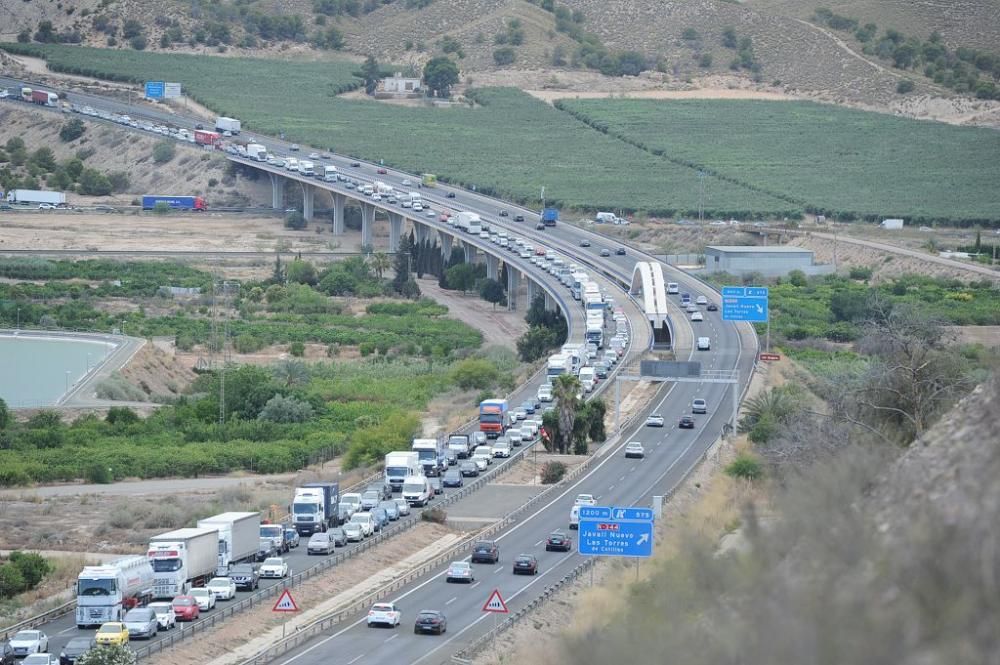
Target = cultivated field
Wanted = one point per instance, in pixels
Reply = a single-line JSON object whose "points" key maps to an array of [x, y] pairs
{"points": [[822, 157]]}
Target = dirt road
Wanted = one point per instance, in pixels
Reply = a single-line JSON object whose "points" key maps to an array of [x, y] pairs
{"points": [[499, 327]]}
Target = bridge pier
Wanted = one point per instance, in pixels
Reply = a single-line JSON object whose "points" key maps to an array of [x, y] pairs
{"points": [[446, 240], [367, 224], [492, 266], [395, 230], [470, 252], [533, 290], [338, 213], [308, 196], [421, 231], [277, 191], [513, 284], [550, 302]]}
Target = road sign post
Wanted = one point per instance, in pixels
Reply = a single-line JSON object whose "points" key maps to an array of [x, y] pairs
{"points": [[608, 531]]}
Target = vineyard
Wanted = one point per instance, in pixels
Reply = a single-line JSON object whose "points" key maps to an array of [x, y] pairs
{"points": [[827, 159]]}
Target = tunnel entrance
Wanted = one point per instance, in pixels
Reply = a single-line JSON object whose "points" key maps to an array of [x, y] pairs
{"points": [[661, 335]]}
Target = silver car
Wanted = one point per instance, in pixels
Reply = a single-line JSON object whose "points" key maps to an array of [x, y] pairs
{"points": [[141, 622]]}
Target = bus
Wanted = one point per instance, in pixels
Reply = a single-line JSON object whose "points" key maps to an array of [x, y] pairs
{"points": [[428, 180]]}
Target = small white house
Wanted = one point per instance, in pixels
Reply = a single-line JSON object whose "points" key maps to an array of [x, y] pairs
{"points": [[894, 224], [400, 85]]}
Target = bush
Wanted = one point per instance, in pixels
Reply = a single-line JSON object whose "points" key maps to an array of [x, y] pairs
{"points": [[108, 655], [72, 130], [22, 572], [163, 152], [553, 472], [745, 467], [11, 581], [138, 42], [99, 474], [161, 208], [280, 409], [904, 86], [297, 349], [474, 373], [504, 56], [295, 220], [436, 515], [863, 274]]}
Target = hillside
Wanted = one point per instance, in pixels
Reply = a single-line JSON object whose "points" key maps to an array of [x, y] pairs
{"points": [[772, 43]]}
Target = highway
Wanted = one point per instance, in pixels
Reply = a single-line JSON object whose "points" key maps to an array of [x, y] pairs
{"points": [[670, 452]]}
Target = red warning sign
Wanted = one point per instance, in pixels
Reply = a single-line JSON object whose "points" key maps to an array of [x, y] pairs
{"points": [[285, 603], [495, 603]]}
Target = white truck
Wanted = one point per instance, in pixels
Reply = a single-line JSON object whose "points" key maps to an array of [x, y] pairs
{"points": [[417, 491], [257, 152], [330, 174], [431, 455], [182, 559], [224, 124], [105, 593], [416, 199], [469, 222], [382, 189], [400, 466], [588, 379], [291, 164], [35, 196], [405, 201], [237, 538], [558, 365], [307, 168], [595, 333]]}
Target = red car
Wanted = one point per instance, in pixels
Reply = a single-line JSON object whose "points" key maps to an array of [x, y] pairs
{"points": [[382, 171], [186, 608]]}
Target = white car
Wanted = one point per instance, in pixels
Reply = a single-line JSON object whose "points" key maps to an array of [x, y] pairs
{"points": [[701, 300], [26, 642], [274, 567], [697, 316], [403, 506], [634, 449], [501, 449], [41, 659], [407, 183], [692, 308], [3, 93], [165, 615], [520, 414], [46, 206], [585, 500], [481, 462], [204, 597], [354, 532], [384, 614], [223, 588], [514, 436], [313, 155]]}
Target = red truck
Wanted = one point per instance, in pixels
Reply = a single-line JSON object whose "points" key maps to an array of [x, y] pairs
{"points": [[203, 137], [43, 97]]}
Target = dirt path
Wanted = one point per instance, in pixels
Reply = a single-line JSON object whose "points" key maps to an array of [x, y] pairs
{"points": [[499, 327], [847, 49], [550, 96]]}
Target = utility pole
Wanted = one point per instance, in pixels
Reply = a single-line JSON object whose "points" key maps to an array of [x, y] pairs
{"points": [[701, 195]]}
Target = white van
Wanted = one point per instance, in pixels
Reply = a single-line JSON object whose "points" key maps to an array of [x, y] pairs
{"points": [[366, 521], [673, 287], [587, 378], [574, 517], [417, 491], [704, 344]]}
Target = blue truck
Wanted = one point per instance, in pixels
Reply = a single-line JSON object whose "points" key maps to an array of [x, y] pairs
{"points": [[149, 202], [550, 216], [314, 507]]}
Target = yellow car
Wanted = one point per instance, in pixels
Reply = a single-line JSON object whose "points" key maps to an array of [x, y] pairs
{"points": [[112, 634]]}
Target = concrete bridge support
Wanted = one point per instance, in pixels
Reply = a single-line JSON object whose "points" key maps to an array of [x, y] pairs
{"points": [[420, 232], [367, 224], [395, 230], [446, 240], [550, 303], [513, 284], [492, 266], [277, 191], [338, 213], [308, 196], [471, 253], [533, 291]]}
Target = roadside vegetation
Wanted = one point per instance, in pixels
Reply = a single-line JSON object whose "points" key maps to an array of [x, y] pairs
{"points": [[399, 354], [39, 169], [20, 572], [843, 163]]}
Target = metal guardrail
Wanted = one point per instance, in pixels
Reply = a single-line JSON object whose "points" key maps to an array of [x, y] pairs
{"points": [[38, 619]]}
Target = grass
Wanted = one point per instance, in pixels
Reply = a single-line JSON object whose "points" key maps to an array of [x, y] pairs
{"points": [[521, 144], [822, 157]]}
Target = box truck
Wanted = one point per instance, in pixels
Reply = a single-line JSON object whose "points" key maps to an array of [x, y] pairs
{"points": [[182, 559], [35, 196], [314, 507], [307, 168], [469, 222], [459, 444], [105, 593], [197, 203], [399, 466], [330, 173], [550, 216], [257, 152], [430, 452], [44, 98], [238, 533], [203, 137], [493, 417], [224, 124]]}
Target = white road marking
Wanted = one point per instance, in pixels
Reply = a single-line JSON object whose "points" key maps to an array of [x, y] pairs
{"points": [[356, 659], [501, 567], [611, 488], [449, 602], [393, 637], [472, 586], [63, 632], [538, 543]]}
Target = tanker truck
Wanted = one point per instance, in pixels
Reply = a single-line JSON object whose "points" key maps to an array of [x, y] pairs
{"points": [[105, 593], [182, 559]]}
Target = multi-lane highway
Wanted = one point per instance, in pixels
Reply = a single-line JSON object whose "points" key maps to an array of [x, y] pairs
{"points": [[670, 452]]}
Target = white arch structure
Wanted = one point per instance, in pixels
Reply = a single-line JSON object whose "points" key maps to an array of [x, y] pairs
{"points": [[647, 279]]}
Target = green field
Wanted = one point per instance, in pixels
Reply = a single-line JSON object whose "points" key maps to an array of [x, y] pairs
{"points": [[510, 145], [830, 159]]}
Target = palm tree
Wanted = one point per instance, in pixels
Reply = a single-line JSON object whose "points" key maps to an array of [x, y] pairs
{"points": [[379, 262], [565, 391], [291, 373]]}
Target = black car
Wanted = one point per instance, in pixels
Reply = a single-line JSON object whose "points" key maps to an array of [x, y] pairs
{"points": [[199, 126], [469, 469], [7, 656], [265, 550], [70, 653], [486, 551], [451, 456], [503, 213], [245, 576], [453, 478], [620, 251], [525, 564], [518, 218], [712, 307], [686, 422], [584, 243], [558, 542], [430, 621], [451, 195], [355, 164]]}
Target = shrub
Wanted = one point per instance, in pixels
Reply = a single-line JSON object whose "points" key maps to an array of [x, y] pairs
{"points": [[161, 208], [297, 349], [280, 409], [163, 152], [474, 373], [904, 86], [108, 655], [437, 515], [11, 581], [99, 474], [553, 472], [295, 220], [863, 274], [745, 467], [504, 56], [72, 130]]}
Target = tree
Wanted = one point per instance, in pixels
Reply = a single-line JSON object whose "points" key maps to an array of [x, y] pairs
{"points": [[295, 220], [474, 374], [108, 655], [462, 277], [904, 86], [403, 262], [94, 183], [533, 344], [72, 130], [797, 278], [4, 414], [163, 152], [121, 415], [379, 263], [440, 74], [492, 291], [371, 73], [291, 373], [564, 392], [301, 272], [504, 56], [44, 159]]}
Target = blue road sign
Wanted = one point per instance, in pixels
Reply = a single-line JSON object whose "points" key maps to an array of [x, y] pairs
{"points": [[606, 531], [745, 303], [154, 89]]}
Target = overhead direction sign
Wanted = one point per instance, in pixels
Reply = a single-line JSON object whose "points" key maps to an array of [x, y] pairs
{"points": [[745, 303], [285, 603], [154, 89], [495, 603], [607, 531]]}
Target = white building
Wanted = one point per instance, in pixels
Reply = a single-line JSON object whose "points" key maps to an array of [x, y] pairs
{"points": [[399, 85]]}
